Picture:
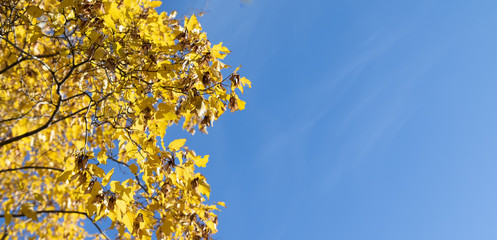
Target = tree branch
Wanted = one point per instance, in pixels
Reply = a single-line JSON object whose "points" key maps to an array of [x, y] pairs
{"points": [[136, 176], [12, 65], [62, 211], [50, 120], [30, 167], [35, 131], [30, 55], [22, 59]]}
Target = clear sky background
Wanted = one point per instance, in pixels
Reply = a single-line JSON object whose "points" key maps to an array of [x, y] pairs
{"points": [[366, 120]]}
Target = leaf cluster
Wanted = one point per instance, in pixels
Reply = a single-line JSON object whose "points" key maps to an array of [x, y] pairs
{"points": [[87, 90]]}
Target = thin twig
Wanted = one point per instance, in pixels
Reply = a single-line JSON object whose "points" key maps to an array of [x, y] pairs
{"points": [[86, 125], [136, 176]]}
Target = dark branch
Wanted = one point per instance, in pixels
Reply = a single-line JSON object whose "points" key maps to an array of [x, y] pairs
{"points": [[82, 109], [22, 59], [64, 212], [35, 131], [12, 65], [50, 120], [136, 176], [30, 167]]}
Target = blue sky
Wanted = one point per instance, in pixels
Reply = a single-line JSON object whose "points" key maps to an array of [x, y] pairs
{"points": [[366, 120]]}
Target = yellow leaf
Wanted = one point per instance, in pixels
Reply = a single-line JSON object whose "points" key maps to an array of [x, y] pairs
{"points": [[218, 51], [94, 36], [148, 216], [38, 197], [167, 225], [127, 220], [109, 22], [34, 11], [96, 189], [91, 209], [114, 11], [201, 162], [66, 3], [131, 149], [245, 81], [158, 127], [21, 126], [100, 54], [204, 188], [128, 3], [107, 177], [94, 170], [236, 70], [155, 4], [133, 168], [121, 205], [180, 158], [115, 186], [211, 225], [177, 144], [192, 23], [165, 112], [64, 176], [8, 217], [28, 211], [241, 104], [102, 157], [221, 204]]}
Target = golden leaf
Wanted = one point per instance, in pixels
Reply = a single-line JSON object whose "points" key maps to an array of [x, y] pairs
{"points": [[201, 162], [133, 168], [34, 11], [27, 210], [64, 176], [107, 177], [211, 226], [176, 144], [8, 217], [155, 4]]}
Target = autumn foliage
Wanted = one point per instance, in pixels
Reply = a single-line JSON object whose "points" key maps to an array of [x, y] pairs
{"points": [[88, 91]]}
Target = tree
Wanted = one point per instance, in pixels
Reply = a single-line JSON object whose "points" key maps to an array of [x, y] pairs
{"points": [[88, 90]]}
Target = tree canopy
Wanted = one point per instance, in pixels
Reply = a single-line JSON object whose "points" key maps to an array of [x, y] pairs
{"points": [[88, 90]]}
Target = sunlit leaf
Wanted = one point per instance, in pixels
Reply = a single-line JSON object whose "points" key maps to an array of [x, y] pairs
{"points": [[201, 162], [176, 144], [133, 168], [155, 4], [8, 217], [27, 210], [107, 177], [34, 11]]}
